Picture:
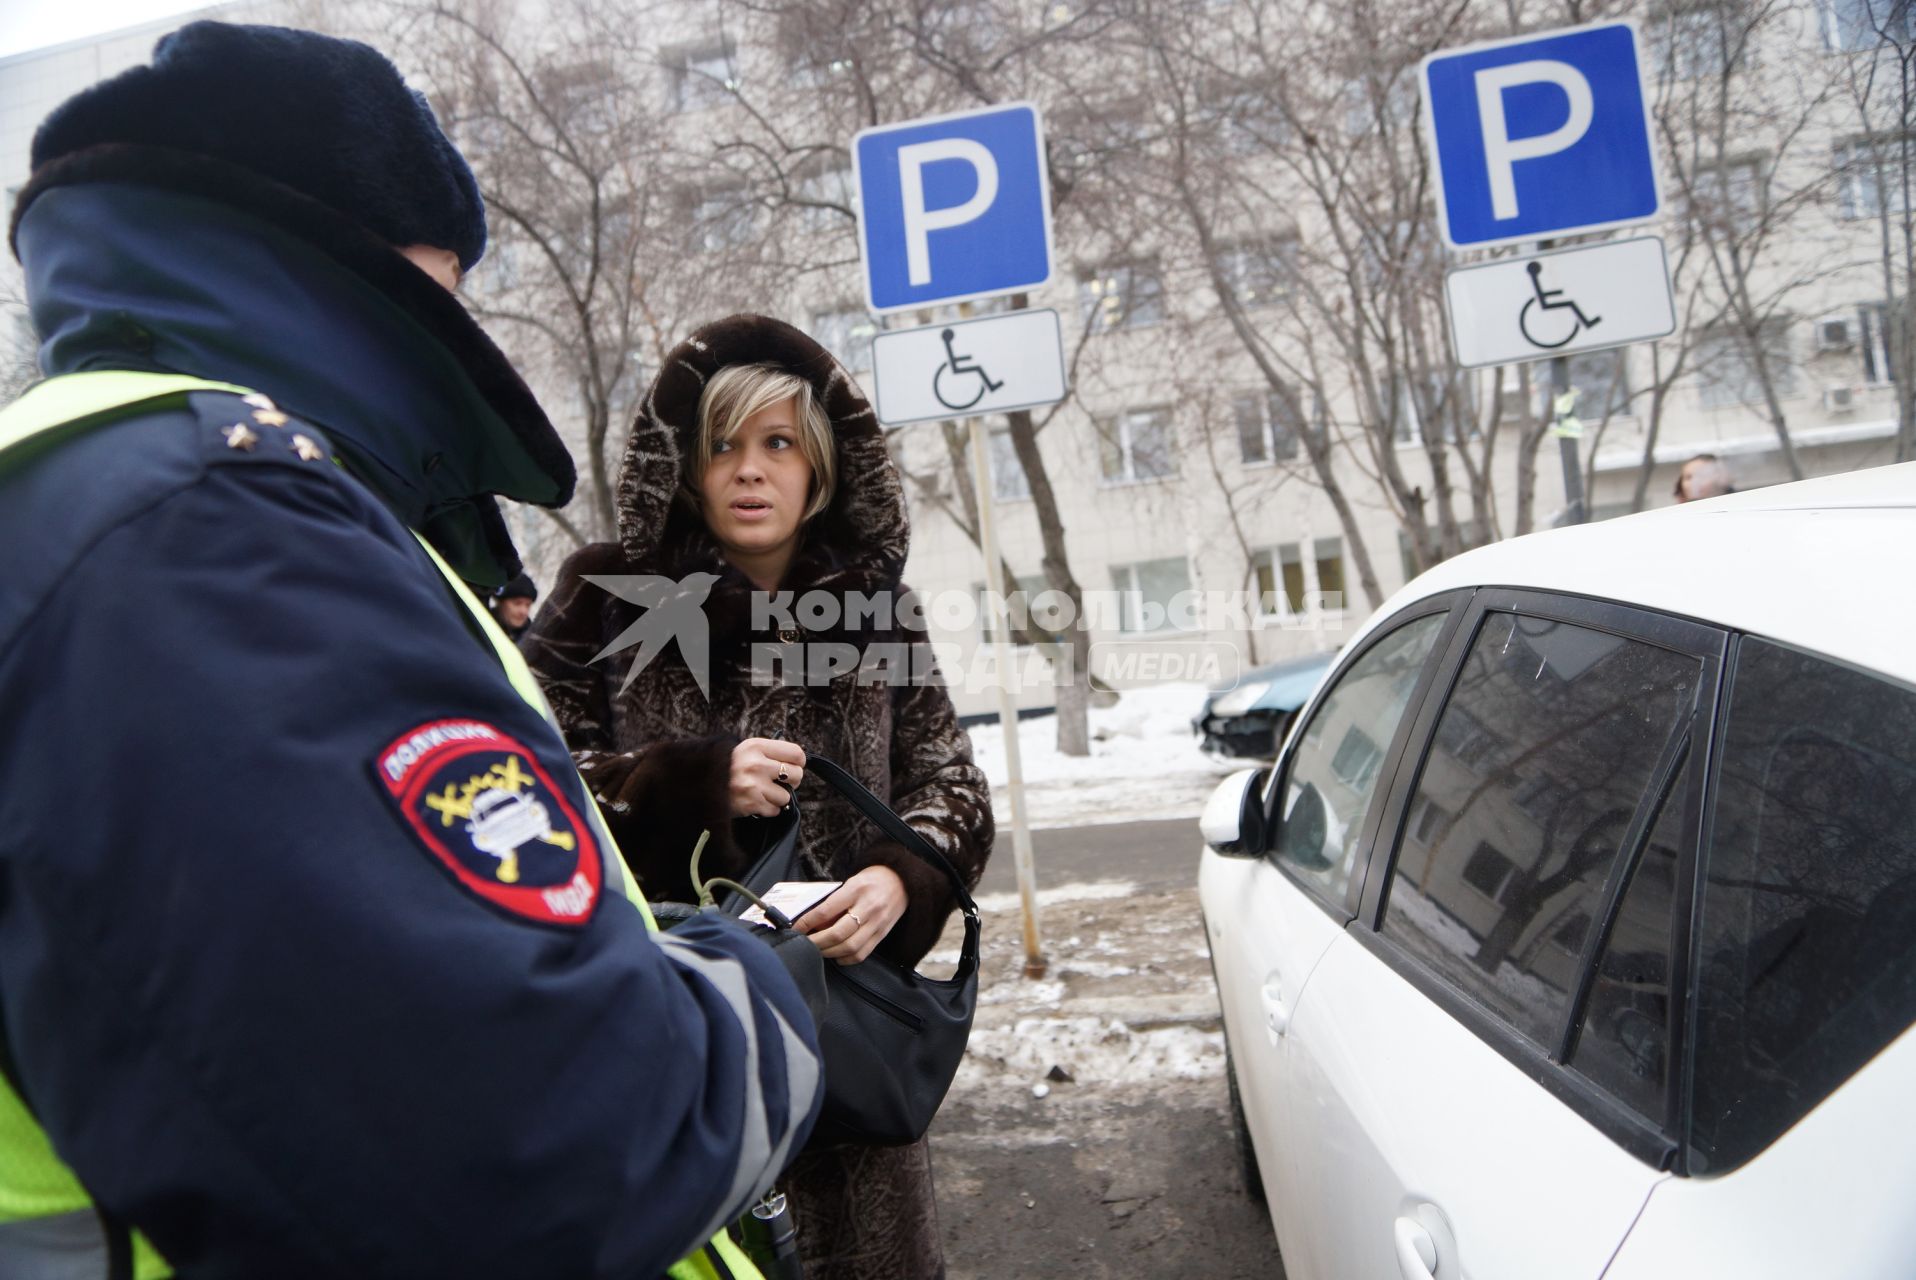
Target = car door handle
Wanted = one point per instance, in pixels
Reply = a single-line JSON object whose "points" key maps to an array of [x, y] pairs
{"points": [[1416, 1251], [1277, 1014]]}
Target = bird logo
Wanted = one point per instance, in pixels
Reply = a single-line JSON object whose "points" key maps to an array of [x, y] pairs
{"points": [[674, 610]]}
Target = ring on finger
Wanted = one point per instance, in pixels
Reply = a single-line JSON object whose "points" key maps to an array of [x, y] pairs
{"points": [[855, 919], [783, 776]]}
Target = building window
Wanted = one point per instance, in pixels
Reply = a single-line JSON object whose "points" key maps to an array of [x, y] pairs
{"points": [[723, 220], [1357, 758], [1729, 197], [1148, 592], [1282, 570], [1268, 426], [1428, 403], [1136, 445], [1869, 174], [1123, 296], [1695, 43], [1369, 105], [814, 69], [1726, 373], [848, 335], [1865, 24], [824, 196], [1008, 478], [703, 77], [1249, 121], [1259, 272], [1489, 872]]}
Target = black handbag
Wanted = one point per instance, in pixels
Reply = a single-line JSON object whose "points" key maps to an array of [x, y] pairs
{"points": [[891, 1038]]}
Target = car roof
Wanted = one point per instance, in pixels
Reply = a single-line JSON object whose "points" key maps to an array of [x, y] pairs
{"points": [[1827, 565]]}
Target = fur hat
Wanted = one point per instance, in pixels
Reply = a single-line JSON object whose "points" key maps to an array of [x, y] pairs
{"points": [[330, 118]]}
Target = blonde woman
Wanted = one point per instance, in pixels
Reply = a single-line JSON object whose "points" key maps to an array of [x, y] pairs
{"points": [[755, 460]]}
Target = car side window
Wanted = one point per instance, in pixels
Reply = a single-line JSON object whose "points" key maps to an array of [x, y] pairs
{"points": [[1333, 772], [1806, 942], [1543, 752], [1623, 1033]]}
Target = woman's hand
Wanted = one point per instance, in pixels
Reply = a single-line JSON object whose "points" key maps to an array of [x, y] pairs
{"points": [[846, 926], [765, 772]]}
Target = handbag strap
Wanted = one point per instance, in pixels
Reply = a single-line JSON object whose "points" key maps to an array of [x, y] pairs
{"points": [[891, 824]]}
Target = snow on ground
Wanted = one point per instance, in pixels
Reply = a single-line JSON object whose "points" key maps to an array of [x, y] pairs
{"points": [[1093, 1051], [1145, 763]]}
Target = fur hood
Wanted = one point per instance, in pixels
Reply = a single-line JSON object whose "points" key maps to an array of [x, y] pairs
{"points": [[858, 543]]}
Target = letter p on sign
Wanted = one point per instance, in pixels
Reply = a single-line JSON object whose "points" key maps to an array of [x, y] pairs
{"points": [[953, 207], [1540, 136], [921, 222]]}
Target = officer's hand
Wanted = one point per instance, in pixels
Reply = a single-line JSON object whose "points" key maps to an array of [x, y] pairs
{"points": [[765, 772], [669, 915], [802, 960]]}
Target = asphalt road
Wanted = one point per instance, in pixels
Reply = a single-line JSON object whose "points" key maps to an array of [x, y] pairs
{"points": [[1156, 855]]}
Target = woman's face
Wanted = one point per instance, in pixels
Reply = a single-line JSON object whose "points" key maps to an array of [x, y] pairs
{"points": [[757, 484]]}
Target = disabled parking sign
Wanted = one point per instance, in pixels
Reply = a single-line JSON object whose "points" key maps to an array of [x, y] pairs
{"points": [[1539, 136], [953, 207]]}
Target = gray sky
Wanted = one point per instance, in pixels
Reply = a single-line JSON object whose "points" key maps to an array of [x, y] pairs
{"points": [[34, 24]]}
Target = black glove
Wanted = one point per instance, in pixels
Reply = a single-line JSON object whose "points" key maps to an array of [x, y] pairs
{"points": [[801, 959], [669, 915]]}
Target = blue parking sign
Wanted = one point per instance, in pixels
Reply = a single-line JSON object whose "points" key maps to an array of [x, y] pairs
{"points": [[953, 207], [1542, 135]]}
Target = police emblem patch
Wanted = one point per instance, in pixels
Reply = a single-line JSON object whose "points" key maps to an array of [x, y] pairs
{"points": [[487, 810]]}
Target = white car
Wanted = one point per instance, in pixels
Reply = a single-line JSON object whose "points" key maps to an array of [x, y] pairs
{"points": [[1573, 933]]}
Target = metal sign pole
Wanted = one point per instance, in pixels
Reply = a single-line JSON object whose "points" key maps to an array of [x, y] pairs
{"points": [[1007, 702], [1568, 446]]}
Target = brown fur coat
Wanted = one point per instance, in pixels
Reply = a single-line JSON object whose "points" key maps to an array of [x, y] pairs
{"points": [[658, 753]]}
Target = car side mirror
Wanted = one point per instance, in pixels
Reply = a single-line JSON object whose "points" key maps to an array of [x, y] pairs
{"points": [[1233, 818]]}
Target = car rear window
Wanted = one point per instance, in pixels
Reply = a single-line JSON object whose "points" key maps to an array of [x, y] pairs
{"points": [[1806, 944]]}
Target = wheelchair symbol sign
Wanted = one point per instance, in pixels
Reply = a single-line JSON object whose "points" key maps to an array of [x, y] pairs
{"points": [[951, 394], [1563, 328], [994, 364], [1603, 295]]}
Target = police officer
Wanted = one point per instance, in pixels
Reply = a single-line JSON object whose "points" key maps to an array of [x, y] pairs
{"points": [[315, 960]]}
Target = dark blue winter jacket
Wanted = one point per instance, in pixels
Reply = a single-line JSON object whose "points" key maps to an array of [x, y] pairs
{"points": [[264, 977]]}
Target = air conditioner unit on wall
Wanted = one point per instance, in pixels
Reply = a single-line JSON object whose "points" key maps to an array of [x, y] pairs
{"points": [[1839, 399], [1835, 333]]}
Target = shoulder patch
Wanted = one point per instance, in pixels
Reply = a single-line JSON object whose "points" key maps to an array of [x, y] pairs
{"points": [[488, 812]]}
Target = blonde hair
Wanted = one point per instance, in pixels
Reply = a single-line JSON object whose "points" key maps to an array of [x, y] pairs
{"points": [[738, 391]]}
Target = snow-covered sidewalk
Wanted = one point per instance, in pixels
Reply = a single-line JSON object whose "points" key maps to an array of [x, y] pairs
{"points": [[1145, 763]]}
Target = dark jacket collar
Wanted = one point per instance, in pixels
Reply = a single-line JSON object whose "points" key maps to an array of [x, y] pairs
{"points": [[419, 403]]}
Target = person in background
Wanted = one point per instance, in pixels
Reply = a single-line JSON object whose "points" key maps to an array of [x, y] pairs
{"points": [[1704, 476], [315, 960], [757, 469], [512, 605]]}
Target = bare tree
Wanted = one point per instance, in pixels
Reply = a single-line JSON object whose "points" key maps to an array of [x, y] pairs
{"points": [[1876, 40], [572, 121], [827, 68]]}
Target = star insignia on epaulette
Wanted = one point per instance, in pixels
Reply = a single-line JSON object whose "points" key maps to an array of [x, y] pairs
{"points": [[240, 436], [257, 401], [308, 451], [269, 417]]}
